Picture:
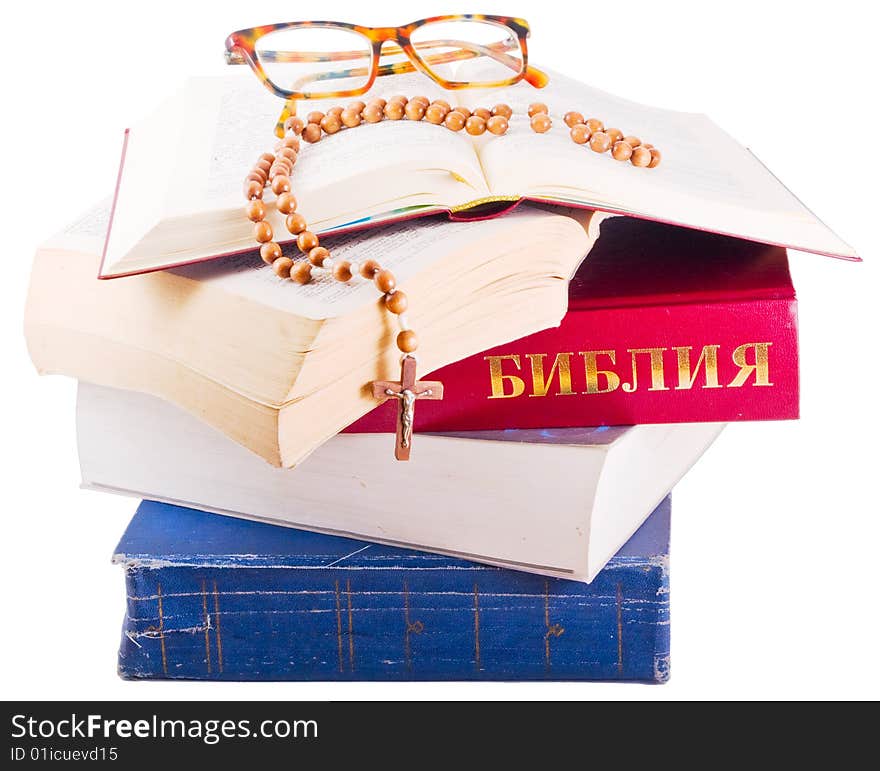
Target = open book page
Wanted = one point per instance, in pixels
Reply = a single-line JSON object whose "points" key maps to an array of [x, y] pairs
{"points": [[338, 177], [706, 180], [180, 200], [405, 248], [403, 164], [84, 234]]}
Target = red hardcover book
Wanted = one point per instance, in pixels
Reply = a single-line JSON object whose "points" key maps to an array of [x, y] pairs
{"points": [[664, 325]]}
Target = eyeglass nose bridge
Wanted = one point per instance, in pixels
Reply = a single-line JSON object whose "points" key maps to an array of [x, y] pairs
{"points": [[389, 41]]}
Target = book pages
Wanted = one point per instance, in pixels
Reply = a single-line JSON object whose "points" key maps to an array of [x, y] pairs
{"points": [[707, 180], [406, 248]]}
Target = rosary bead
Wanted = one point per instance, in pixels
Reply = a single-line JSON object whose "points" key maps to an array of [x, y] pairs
{"points": [[541, 122], [647, 146], [266, 157], [399, 99], [281, 184], [306, 241], [475, 125], [632, 141], [342, 271], [497, 125], [414, 110], [262, 231], [537, 108], [314, 117], [483, 113], [337, 111], [301, 272], [263, 165], [641, 156], [373, 113], [455, 121], [369, 268], [377, 105], [503, 110], [407, 341], [357, 105], [580, 134], [655, 158], [381, 102], [443, 103], [289, 141], [423, 100], [282, 163], [600, 142], [294, 124], [253, 189], [594, 124], [256, 211], [282, 267], [256, 176], [463, 111], [350, 118], [287, 154], [318, 255], [286, 203], [385, 281], [296, 223], [615, 135], [270, 251], [331, 124], [396, 302], [312, 133], [435, 114], [573, 118], [394, 110], [621, 151]]}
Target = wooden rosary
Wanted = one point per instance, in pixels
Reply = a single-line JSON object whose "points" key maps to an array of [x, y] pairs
{"points": [[275, 169]]}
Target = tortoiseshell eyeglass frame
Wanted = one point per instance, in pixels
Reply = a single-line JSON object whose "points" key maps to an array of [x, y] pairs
{"points": [[241, 49]]}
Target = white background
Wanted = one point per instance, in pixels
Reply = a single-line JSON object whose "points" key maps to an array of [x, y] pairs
{"points": [[776, 534]]}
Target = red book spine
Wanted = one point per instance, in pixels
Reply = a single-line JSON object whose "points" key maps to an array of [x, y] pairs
{"points": [[669, 363]]}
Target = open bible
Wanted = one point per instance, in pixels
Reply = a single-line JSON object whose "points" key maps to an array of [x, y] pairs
{"points": [[178, 196], [281, 368]]}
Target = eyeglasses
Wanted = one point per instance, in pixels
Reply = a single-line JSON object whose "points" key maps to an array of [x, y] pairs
{"points": [[324, 59]]}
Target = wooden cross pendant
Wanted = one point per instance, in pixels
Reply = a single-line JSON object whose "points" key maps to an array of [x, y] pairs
{"points": [[406, 392]]}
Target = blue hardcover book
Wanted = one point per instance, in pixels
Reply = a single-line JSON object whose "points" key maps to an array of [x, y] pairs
{"points": [[216, 598]]}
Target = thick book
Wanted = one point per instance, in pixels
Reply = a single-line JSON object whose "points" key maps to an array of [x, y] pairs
{"points": [[178, 196], [213, 598], [557, 502], [280, 368], [664, 325]]}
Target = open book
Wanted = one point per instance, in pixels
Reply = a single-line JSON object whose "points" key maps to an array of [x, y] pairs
{"points": [[280, 369], [179, 190]]}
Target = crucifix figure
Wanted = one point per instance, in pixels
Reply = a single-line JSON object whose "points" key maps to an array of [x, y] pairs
{"points": [[406, 392]]}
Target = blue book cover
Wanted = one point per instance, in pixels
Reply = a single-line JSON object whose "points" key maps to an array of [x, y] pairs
{"points": [[215, 598]]}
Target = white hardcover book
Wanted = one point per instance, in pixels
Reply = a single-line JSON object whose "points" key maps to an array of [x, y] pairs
{"points": [[557, 502]]}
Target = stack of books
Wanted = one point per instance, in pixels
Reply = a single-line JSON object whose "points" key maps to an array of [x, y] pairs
{"points": [[527, 537]]}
